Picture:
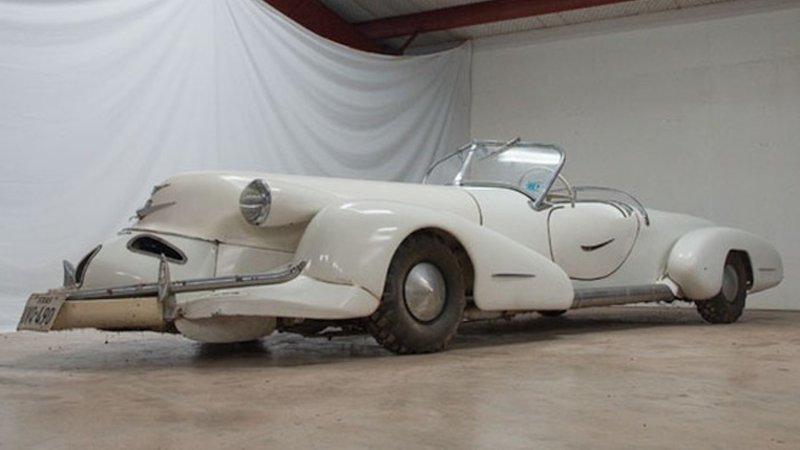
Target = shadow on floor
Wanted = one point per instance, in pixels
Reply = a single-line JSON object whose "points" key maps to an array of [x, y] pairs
{"points": [[105, 351]]}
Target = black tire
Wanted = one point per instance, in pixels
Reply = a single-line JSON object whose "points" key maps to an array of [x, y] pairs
{"points": [[555, 313], [394, 325], [728, 305]]}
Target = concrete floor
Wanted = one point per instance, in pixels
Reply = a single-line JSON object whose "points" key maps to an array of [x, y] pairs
{"points": [[604, 378]]}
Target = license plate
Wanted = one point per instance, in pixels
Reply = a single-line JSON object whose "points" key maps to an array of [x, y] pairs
{"points": [[41, 311]]}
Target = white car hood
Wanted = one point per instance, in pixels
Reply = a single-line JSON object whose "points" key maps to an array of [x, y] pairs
{"points": [[206, 205]]}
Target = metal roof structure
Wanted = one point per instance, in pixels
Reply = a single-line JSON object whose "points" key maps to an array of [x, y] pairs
{"points": [[393, 26]]}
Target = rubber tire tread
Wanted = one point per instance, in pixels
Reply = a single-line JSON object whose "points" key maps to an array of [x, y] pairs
{"points": [[392, 325], [718, 310]]}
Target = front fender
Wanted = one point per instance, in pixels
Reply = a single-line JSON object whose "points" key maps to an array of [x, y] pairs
{"points": [[697, 260], [353, 243]]}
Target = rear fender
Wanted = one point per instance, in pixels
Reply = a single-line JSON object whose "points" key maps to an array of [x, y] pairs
{"points": [[697, 260], [353, 243]]}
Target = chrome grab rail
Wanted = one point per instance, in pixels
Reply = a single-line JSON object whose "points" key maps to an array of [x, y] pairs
{"points": [[636, 203]]}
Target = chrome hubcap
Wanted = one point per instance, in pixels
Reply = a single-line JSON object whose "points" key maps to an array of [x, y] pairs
{"points": [[730, 283], [425, 292]]}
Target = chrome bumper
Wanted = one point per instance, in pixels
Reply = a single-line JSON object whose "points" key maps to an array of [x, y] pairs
{"points": [[151, 306], [164, 285]]}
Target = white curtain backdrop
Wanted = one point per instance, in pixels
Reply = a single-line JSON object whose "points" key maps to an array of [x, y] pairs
{"points": [[100, 100]]}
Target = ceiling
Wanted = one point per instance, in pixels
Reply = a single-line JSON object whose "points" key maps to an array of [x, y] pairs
{"points": [[565, 13], [397, 26]]}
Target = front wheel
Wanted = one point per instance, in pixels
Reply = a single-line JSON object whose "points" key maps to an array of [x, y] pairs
{"points": [[728, 305], [423, 299]]}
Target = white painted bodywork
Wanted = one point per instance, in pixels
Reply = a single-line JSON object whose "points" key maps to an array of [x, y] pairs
{"points": [[376, 229], [303, 297], [523, 257], [697, 260], [116, 265], [590, 241]]}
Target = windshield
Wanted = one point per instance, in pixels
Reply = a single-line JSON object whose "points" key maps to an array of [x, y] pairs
{"points": [[527, 167]]}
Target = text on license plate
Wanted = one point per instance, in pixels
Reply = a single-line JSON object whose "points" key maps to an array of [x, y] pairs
{"points": [[41, 311]]}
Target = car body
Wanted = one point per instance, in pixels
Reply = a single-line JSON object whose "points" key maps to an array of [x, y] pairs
{"points": [[226, 257]]}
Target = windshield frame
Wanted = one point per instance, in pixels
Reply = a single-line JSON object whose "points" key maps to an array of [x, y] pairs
{"points": [[494, 147]]}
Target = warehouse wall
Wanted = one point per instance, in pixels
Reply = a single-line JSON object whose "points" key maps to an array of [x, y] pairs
{"points": [[694, 111]]}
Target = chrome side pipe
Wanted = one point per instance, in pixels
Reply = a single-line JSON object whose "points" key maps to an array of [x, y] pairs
{"points": [[591, 297]]}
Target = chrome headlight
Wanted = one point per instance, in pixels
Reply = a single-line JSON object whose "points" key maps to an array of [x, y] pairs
{"points": [[254, 202]]}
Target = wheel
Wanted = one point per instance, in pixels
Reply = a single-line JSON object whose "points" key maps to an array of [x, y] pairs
{"points": [[423, 299], [555, 313], [727, 306]]}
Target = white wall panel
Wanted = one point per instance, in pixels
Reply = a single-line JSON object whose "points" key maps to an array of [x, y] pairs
{"points": [[694, 116]]}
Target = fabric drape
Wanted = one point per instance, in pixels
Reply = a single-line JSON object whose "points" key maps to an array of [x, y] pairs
{"points": [[100, 100]]}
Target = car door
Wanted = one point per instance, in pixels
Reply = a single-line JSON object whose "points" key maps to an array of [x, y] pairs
{"points": [[591, 240]]}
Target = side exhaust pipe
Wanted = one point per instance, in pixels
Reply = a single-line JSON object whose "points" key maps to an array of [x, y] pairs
{"points": [[588, 298]]}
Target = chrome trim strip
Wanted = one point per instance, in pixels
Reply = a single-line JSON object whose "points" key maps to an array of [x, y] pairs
{"points": [[149, 207], [159, 187], [194, 285]]}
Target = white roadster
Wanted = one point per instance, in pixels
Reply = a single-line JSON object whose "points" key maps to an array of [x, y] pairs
{"points": [[253, 253]]}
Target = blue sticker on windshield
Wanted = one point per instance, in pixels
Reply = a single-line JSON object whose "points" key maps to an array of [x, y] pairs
{"points": [[532, 186]]}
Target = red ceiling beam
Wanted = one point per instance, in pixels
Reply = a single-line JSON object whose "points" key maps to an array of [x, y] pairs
{"points": [[316, 17], [468, 15]]}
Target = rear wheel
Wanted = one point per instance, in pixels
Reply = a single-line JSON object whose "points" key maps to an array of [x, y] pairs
{"points": [[728, 305], [423, 299]]}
